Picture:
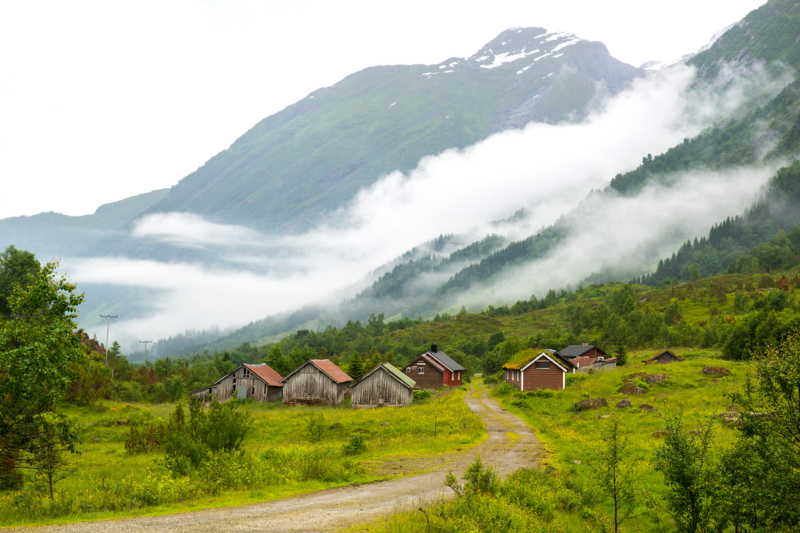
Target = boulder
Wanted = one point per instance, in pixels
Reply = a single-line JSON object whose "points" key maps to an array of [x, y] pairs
{"points": [[716, 371], [653, 379], [637, 375], [595, 403], [624, 403], [632, 389], [728, 414], [658, 434], [647, 407]]}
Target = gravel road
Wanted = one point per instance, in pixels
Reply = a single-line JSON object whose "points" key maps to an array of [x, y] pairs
{"points": [[510, 445]]}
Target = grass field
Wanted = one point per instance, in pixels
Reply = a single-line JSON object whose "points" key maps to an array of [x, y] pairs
{"points": [[108, 482], [566, 479]]}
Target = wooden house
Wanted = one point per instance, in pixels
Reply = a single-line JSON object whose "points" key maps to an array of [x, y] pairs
{"points": [[383, 386], [664, 357], [316, 381], [258, 382], [538, 369], [435, 369], [582, 350]]}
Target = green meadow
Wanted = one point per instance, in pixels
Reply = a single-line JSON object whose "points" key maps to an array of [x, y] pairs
{"points": [[278, 459]]}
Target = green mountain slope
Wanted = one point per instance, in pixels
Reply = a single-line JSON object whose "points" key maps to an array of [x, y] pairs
{"points": [[765, 36], [315, 155]]}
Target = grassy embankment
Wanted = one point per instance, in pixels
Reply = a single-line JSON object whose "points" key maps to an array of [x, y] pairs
{"points": [[567, 497], [108, 482]]}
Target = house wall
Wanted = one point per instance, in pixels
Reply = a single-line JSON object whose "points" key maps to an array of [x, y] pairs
{"points": [[380, 389], [534, 378], [431, 379], [310, 385], [513, 377]]}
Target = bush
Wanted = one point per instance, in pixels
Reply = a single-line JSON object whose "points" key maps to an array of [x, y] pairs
{"points": [[541, 393], [126, 391], [576, 379], [145, 438], [356, 445], [422, 394], [505, 389], [315, 427]]}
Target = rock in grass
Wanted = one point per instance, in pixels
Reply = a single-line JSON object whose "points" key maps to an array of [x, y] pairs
{"points": [[595, 403], [632, 389], [658, 434], [716, 371], [624, 403], [647, 407]]}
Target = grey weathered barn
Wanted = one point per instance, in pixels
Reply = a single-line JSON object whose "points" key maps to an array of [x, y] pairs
{"points": [[258, 382], [316, 381], [383, 386]]}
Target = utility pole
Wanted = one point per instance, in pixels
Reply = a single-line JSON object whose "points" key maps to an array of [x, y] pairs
{"points": [[145, 350], [108, 326]]}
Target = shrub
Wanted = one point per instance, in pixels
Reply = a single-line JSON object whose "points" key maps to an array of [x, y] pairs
{"points": [[505, 389], [315, 427], [356, 445], [145, 438], [422, 394], [126, 391], [541, 393], [575, 379]]}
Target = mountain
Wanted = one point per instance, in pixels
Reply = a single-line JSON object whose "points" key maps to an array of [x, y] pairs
{"points": [[764, 130], [315, 155]]}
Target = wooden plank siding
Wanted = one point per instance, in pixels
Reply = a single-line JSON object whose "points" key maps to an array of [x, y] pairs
{"points": [[430, 378], [536, 378], [309, 385], [380, 389]]}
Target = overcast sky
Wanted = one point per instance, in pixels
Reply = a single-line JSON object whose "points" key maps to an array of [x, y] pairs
{"points": [[105, 100]]}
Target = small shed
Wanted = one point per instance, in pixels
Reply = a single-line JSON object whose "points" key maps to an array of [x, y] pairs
{"points": [[435, 369], [538, 369], [664, 357], [383, 386], [316, 381], [258, 382]]}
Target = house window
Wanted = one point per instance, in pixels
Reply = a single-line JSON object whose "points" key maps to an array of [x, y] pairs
{"points": [[544, 365], [420, 370], [408, 370]]}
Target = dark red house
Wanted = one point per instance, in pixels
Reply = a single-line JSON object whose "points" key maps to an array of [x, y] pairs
{"points": [[538, 369], [582, 350], [435, 369]]}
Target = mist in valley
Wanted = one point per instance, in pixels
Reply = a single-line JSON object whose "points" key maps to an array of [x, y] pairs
{"points": [[546, 169]]}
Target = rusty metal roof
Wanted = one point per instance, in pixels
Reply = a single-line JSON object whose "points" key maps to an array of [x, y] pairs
{"points": [[334, 372], [272, 378]]}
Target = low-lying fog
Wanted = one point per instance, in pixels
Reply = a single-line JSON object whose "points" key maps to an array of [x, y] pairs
{"points": [[548, 169]]}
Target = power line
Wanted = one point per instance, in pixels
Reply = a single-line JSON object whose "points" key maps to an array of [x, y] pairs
{"points": [[108, 327], [145, 350]]}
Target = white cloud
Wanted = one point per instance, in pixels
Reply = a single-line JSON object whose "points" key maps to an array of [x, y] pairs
{"points": [[547, 169]]}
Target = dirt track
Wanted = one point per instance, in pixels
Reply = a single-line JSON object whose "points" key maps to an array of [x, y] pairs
{"points": [[346, 506]]}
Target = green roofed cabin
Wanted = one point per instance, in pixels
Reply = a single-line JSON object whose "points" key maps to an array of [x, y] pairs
{"points": [[383, 386], [664, 357], [538, 369]]}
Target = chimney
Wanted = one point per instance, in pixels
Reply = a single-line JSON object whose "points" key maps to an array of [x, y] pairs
{"points": [[586, 344], [434, 348]]}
